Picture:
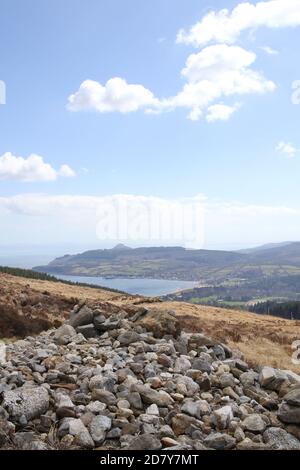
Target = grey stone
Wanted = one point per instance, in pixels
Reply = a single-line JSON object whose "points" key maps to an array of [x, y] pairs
{"points": [[135, 400], [107, 325], [29, 401], [88, 331], [248, 378], [28, 441], [7, 430], [96, 407], [219, 352], [182, 364], [102, 382], [150, 396], [271, 379], [223, 416], [63, 334], [220, 441], [83, 317], [279, 439], [98, 319], [128, 337], [114, 433], [104, 396], [152, 410], [293, 397], [254, 423], [145, 442], [191, 386], [289, 414], [201, 364], [226, 380], [248, 444], [98, 427], [81, 434], [195, 408]]}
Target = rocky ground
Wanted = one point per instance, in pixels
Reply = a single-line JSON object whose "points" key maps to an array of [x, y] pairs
{"points": [[108, 379]]}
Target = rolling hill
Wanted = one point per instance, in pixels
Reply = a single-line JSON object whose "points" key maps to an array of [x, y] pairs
{"points": [[154, 262], [179, 263]]}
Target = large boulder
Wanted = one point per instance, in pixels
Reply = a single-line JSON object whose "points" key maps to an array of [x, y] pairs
{"points": [[63, 334], [279, 439], [293, 397], [84, 316], [289, 414], [272, 379], [28, 401]]}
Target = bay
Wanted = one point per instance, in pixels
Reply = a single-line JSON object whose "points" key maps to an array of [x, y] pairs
{"points": [[147, 287]]}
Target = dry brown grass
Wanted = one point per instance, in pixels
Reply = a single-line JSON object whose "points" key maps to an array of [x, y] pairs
{"points": [[57, 288]]}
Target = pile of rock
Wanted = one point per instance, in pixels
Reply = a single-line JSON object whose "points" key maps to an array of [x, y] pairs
{"points": [[104, 381]]}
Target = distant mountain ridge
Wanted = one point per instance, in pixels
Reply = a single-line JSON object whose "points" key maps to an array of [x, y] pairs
{"points": [[178, 262], [267, 246]]}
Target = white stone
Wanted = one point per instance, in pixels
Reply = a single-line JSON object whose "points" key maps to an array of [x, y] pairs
{"points": [[223, 416], [2, 354], [153, 410], [182, 364]]}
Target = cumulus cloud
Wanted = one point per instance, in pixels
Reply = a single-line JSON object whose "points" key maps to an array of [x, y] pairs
{"points": [[287, 149], [214, 73], [66, 172], [30, 169], [225, 26], [217, 71], [220, 112], [115, 95]]}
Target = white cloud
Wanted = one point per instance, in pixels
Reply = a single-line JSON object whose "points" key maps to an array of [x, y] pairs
{"points": [[66, 172], [269, 50], [115, 95], [287, 149], [133, 219], [217, 59], [213, 74], [225, 26], [220, 112], [30, 169], [119, 217], [217, 72]]}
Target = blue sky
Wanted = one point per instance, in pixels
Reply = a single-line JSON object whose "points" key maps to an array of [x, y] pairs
{"points": [[245, 163]]}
